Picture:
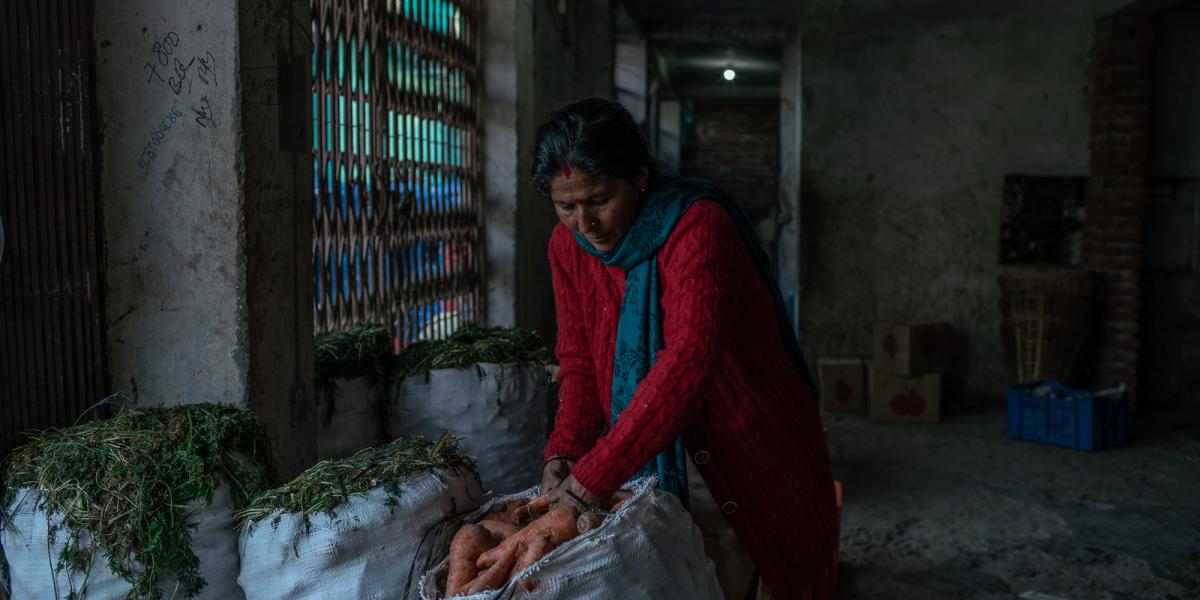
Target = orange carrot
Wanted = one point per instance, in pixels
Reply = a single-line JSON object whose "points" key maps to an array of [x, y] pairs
{"points": [[494, 576], [537, 549], [535, 508], [511, 518], [559, 524], [499, 529], [470, 542], [588, 521]]}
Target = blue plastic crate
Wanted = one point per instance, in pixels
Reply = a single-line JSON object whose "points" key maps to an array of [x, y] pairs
{"points": [[1065, 416]]}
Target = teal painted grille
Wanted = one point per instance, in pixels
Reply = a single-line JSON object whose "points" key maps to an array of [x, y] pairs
{"points": [[395, 190]]}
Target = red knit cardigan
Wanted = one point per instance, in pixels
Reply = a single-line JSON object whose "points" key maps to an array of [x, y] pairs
{"points": [[723, 380]]}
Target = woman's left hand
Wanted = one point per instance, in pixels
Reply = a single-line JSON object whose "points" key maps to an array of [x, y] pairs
{"points": [[561, 496]]}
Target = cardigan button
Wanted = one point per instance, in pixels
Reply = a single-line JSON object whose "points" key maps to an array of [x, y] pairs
{"points": [[702, 457], [729, 507]]}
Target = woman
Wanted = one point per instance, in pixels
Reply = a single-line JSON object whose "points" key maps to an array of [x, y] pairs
{"points": [[671, 329]]}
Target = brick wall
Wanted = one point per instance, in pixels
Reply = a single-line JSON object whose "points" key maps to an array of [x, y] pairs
{"points": [[735, 144], [1122, 60]]}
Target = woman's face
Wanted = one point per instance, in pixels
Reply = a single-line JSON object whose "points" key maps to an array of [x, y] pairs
{"points": [[600, 209]]}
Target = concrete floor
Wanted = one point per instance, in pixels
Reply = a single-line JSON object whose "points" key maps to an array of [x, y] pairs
{"points": [[959, 510]]}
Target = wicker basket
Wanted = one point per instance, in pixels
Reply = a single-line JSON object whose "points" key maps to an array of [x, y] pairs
{"points": [[1047, 317]]}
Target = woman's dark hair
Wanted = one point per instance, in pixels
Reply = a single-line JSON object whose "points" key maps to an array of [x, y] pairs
{"points": [[593, 134]]}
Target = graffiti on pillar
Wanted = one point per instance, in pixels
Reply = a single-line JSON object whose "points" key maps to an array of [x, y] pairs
{"points": [[182, 73], [166, 66], [204, 113], [150, 150], [162, 50]]}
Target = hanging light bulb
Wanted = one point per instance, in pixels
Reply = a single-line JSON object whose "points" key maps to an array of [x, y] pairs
{"points": [[729, 73]]}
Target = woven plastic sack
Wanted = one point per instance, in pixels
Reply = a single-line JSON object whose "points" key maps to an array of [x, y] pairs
{"points": [[350, 420], [648, 550], [500, 410], [372, 546], [33, 537]]}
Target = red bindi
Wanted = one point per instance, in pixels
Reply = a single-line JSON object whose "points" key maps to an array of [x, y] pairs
{"points": [[567, 171]]}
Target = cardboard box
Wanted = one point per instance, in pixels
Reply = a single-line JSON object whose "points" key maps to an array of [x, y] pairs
{"points": [[843, 385], [911, 350], [899, 398]]}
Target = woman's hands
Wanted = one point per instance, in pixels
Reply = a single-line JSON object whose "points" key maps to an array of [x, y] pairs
{"points": [[554, 473], [557, 481], [573, 486]]}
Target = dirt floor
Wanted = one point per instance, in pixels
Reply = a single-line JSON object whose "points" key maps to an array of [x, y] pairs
{"points": [[959, 510]]}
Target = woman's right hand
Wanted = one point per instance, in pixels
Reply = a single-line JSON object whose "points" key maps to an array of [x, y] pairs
{"points": [[554, 473]]}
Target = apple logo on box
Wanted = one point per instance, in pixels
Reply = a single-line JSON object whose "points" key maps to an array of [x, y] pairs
{"points": [[911, 404], [843, 392], [890, 346]]}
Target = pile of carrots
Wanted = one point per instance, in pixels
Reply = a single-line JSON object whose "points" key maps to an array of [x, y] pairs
{"points": [[488, 554]]}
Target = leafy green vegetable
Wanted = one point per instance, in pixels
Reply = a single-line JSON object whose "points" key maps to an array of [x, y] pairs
{"points": [[128, 481], [367, 351], [328, 484]]}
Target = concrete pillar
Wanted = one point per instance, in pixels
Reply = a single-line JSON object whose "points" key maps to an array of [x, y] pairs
{"points": [[505, 108], [630, 75], [534, 58], [670, 136], [788, 260], [207, 207]]}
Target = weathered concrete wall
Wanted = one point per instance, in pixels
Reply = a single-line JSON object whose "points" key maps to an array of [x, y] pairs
{"points": [[169, 115], [1175, 113], [913, 114], [572, 58], [736, 146], [787, 259], [206, 190], [630, 74], [668, 149], [505, 63], [1170, 316], [542, 60]]}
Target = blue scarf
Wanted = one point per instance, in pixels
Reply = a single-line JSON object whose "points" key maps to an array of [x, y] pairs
{"points": [[639, 327]]}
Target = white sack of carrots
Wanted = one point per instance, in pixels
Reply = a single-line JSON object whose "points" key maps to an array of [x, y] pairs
{"points": [[499, 409], [646, 548], [362, 527]]}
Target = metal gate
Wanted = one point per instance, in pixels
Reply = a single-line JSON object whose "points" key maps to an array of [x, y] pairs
{"points": [[396, 197], [52, 365]]}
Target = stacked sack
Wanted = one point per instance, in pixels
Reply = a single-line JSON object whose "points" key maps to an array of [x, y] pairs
{"points": [[361, 527], [489, 386], [139, 505]]}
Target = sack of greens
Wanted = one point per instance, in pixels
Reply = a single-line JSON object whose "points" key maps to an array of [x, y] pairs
{"points": [[353, 368], [489, 386], [140, 505], [361, 527]]}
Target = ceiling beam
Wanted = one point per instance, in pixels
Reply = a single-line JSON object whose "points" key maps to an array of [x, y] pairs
{"points": [[727, 91], [747, 32]]}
